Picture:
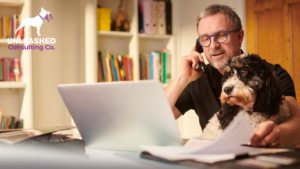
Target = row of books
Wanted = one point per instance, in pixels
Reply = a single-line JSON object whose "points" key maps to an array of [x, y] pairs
{"points": [[8, 26], [10, 69], [10, 122], [155, 16], [155, 65], [112, 67]]}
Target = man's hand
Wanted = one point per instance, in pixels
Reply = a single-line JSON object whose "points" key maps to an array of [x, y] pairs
{"points": [[189, 64], [266, 134], [285, 134]]}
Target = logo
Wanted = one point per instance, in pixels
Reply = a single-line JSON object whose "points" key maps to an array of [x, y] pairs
{"points": [[33, 44], [36, 21]]}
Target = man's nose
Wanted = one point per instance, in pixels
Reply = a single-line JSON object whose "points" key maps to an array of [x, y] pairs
{"points": [[213, 43], [228, 89]]}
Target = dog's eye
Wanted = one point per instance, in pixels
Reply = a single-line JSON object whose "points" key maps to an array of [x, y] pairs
{"points": [[243, 72]]}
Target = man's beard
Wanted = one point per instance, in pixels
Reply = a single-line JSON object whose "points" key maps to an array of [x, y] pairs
{"points": [[218, 63]]}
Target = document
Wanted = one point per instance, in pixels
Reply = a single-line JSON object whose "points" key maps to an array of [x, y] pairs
{"points": [[17, 136], [225, 147]]}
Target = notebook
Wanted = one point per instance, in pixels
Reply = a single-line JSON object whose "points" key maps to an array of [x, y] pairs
{"points": [[121, 115]]}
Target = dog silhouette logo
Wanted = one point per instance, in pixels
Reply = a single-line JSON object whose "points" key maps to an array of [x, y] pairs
{"points": [[36, 21]]}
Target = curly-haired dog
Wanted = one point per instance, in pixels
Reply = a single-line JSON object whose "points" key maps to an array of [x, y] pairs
{"points": [[248, 84]]}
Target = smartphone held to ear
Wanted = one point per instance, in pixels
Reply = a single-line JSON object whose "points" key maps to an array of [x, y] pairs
{"points": [[202, 65]]}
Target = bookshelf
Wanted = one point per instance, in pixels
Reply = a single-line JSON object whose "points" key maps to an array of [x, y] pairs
{"points": [[12, 85], [16, 97], [114, 34], [147, 36], [11, 3], [132, 42], [3, 41]]}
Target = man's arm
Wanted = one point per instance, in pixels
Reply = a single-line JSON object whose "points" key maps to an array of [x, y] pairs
{"points": [[285, 134], [289, 130], [173, 91], [187, 73]]}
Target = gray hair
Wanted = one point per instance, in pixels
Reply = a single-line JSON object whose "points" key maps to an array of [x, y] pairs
{"points": [[228, 11]]}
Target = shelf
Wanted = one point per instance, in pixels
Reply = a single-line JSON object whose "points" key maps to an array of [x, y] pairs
{"points": [[115, 34], [11, 3], [3, 42], [12, 85], [149, 36]]}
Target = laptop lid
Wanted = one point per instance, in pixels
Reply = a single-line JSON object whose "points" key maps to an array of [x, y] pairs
{"points": [[121, 115]]}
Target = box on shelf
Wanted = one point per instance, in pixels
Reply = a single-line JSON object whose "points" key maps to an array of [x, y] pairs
{"points": [[103, 14], [103, 25], [103, 19]]}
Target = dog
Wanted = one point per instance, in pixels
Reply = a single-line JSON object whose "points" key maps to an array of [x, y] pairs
{"points": [[36, 21], [250, 85]]}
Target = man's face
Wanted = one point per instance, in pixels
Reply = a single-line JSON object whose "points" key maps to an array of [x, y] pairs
{"points": [[219, 53]]}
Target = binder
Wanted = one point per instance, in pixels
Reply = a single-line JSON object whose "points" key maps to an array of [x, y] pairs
{"points": [[154, 28], [161, 17], [168, 17], [141, 19], [147, 16]]}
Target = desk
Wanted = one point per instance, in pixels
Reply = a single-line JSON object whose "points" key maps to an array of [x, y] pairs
{"points": [[28, 158], [123, 159]]}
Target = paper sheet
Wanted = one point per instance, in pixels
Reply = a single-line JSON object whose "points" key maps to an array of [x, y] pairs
{"points": [[225, 147], [17, 136], [72, 133], [238, 132], [196, 142]]}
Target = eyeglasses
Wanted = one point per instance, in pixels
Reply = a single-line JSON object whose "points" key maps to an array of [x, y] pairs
{"points": [[220, 37]]}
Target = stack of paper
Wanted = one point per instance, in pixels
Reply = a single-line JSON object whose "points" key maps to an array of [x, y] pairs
{"points": [[225, 147]]}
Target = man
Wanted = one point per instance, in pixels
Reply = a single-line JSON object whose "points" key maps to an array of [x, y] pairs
{"points": [[191, 89]]}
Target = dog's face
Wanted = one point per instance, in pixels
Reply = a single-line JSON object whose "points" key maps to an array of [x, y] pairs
{"points": [[44, 13], [244, 76]]}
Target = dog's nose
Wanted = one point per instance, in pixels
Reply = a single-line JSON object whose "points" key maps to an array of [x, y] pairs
{"points": [[228, 89]]}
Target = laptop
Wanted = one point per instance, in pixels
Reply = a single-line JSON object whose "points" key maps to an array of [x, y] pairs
{"points": [[121, 115]]}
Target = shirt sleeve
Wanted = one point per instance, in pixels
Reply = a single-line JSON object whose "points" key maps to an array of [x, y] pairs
{"points": [[185, 101], [285, 81]]}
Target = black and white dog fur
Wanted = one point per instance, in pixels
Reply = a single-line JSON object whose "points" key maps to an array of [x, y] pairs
{"points": [[248, 84]]}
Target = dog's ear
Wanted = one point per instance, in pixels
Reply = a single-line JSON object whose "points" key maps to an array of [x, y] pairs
{"points": [[227, 113], [42, 9], [268, 97]]}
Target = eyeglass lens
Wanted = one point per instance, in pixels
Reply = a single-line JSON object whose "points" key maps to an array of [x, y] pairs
{"points": [[220, 37]]}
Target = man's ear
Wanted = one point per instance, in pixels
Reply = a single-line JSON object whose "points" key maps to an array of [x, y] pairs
{"points": [[241, 34]]}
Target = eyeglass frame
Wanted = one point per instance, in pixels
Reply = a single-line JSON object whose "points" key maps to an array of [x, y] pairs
{"points": [[209, 36]]}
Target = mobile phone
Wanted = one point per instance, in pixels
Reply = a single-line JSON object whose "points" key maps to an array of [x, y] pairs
{"points": [[202, 65]]}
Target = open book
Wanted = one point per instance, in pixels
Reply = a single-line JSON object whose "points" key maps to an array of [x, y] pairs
{"points": [[225, 147]]}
